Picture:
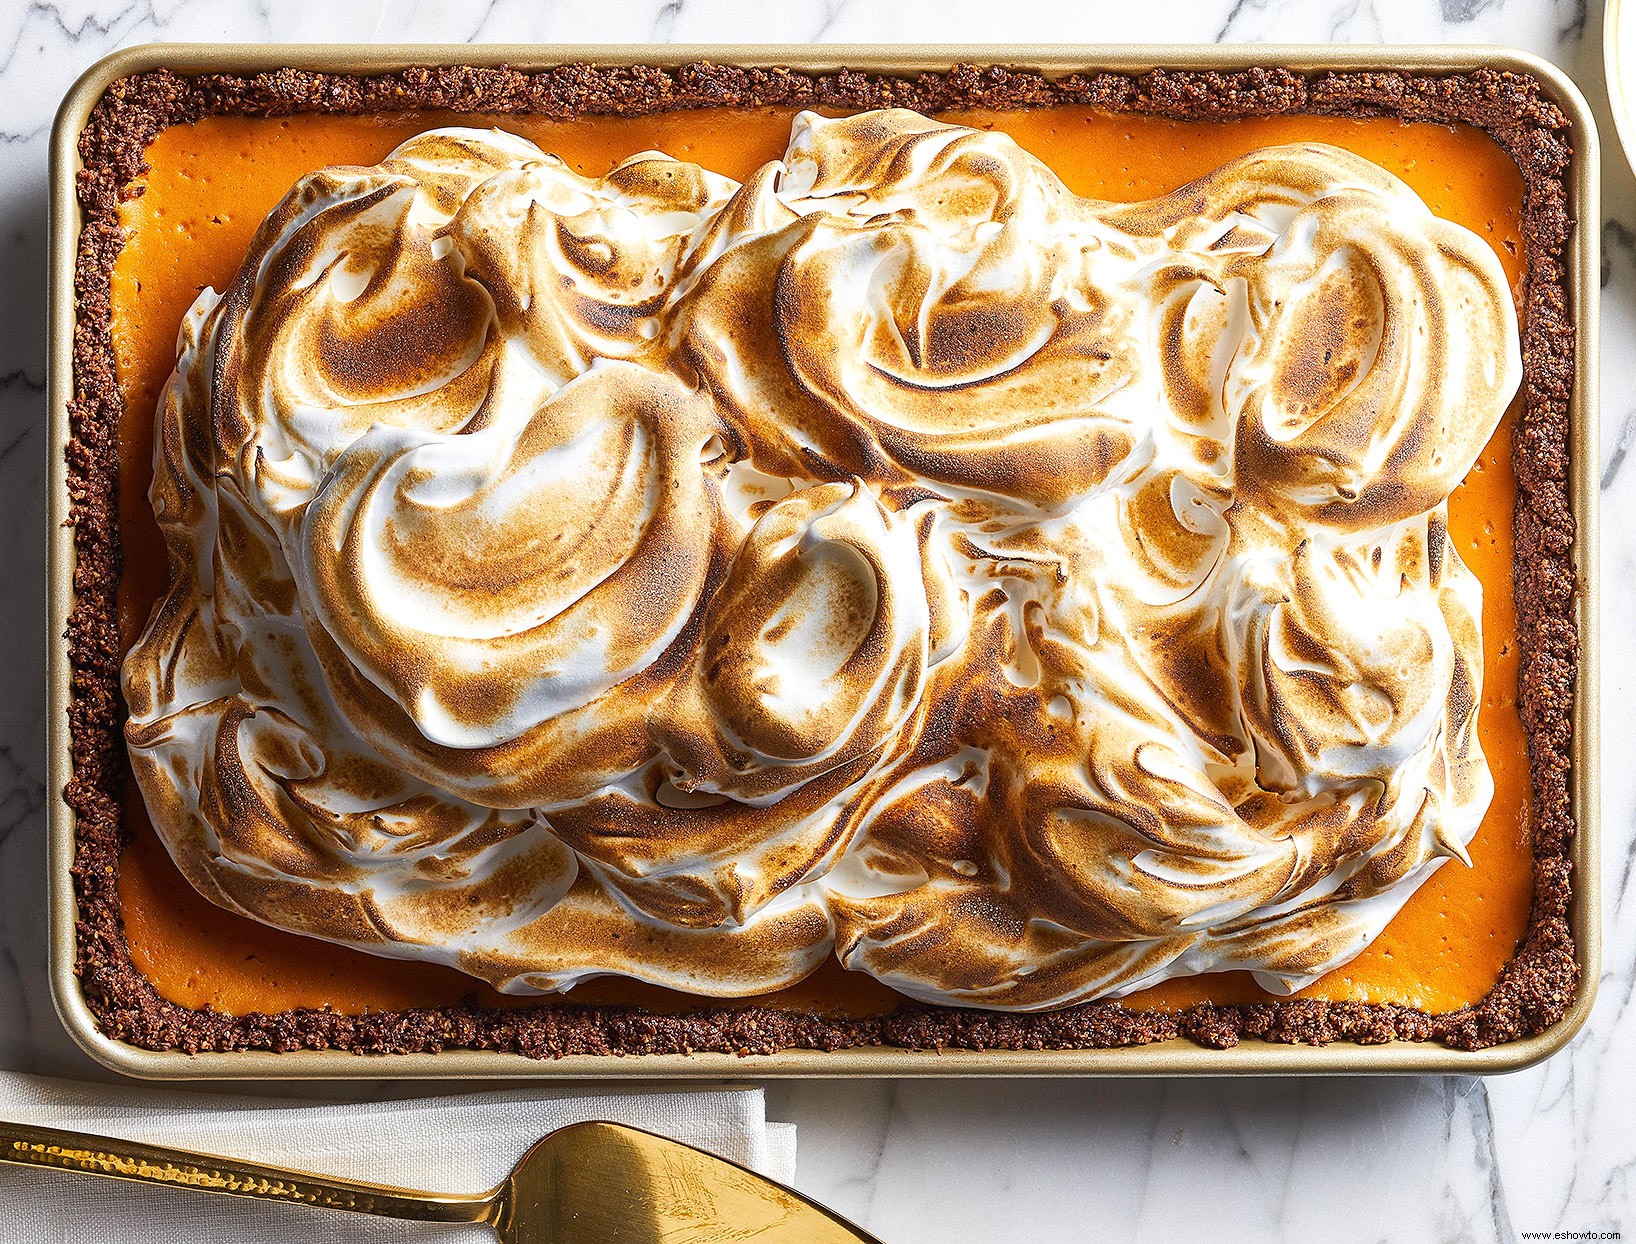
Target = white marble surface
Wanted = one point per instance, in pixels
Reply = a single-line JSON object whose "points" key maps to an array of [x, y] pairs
{"points": [[1547, 1150]]}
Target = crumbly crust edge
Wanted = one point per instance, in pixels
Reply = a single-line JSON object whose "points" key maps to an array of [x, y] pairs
{"points": [[1536, 987]]}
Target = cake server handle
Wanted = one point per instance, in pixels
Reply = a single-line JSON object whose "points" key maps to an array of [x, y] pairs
{"points": [[138, 1162]]}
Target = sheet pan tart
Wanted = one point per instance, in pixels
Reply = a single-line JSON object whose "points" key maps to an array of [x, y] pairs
{"points": [[1178, 1056]]}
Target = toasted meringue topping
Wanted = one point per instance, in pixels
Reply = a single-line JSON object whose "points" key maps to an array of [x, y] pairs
{"points": [[1024, 598]]}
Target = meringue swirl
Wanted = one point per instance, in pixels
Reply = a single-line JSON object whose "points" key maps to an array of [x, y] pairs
{"points": [[1022, 598]]}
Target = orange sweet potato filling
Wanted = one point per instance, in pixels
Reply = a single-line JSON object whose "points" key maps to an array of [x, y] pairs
{"points": [[212, 182]]}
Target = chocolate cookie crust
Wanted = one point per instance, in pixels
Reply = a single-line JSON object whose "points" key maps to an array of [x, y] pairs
{"points": [[1536, 987]]}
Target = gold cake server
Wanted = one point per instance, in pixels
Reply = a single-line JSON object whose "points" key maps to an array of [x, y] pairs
{"points": [[585, 1184]]}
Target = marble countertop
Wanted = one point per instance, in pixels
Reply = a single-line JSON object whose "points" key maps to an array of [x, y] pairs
{"points": [[1552, 1149]]}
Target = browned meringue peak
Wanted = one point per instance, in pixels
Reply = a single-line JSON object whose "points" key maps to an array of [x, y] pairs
{"points": [[387, 295], [921, 317], [268, 799], [495, 579], [579, 270], [1377, 339], [814, 650], [590, 933], [706, 861], [1348, 659], [1035, 597]]}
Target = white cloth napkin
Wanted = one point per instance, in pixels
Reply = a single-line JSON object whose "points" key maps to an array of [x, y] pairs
{"points": [[458, 1143]]}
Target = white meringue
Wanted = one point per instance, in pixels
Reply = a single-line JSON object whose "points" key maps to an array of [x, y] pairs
{"points": [[1026, 598]]}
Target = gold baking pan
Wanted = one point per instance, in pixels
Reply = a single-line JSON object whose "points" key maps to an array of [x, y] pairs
{"points": [[1175, 1057]]}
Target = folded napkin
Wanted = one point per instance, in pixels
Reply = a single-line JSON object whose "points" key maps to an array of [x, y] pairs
{"points": [[456, 1144]]}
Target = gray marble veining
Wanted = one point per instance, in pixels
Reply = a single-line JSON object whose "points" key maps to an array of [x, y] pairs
{"points": [[1452, 1159]]}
